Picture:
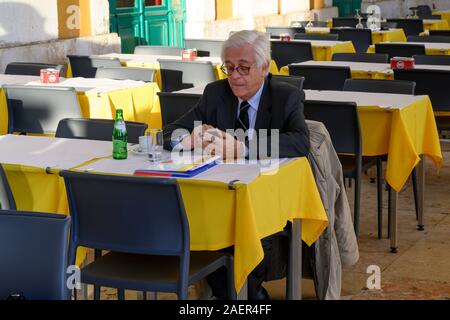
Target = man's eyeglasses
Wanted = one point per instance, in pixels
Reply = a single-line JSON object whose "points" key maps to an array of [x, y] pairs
{"points": [[242, 70]]}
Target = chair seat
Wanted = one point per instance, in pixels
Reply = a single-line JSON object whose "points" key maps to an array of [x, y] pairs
{"points": [[349, 165], [147, 272]]}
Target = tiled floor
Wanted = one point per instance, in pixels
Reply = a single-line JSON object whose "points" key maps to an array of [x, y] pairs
{"points": [[420, 269]]}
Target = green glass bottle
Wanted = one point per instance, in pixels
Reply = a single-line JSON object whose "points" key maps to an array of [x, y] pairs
{"points": [[119, 137]]}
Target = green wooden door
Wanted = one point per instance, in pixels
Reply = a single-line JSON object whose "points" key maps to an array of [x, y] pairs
{"points": [[347, 7], [148, 22]]}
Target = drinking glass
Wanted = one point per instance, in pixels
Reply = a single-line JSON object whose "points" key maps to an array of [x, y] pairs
{"points": [[155, 147]]}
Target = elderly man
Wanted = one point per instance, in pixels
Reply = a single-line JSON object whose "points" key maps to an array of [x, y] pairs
{"points": [[250, 100]]}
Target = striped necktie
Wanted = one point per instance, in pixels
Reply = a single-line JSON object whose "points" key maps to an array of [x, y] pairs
{"points": [[242, 121]]}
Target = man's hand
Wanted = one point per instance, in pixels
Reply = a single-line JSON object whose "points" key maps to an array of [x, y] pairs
{"points": [[196, 139], [224, 145]]}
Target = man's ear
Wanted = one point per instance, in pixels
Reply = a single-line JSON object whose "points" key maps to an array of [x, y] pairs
{"points": [[266, 68]]}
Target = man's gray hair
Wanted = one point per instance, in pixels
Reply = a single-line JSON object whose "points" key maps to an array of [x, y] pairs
{"points": [[259, 40]]}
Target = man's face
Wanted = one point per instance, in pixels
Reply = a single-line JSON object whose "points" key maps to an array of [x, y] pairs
{"points": [[244, 86]]}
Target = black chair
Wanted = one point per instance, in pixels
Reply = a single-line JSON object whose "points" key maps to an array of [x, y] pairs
{"points": [[361, 38], [411, 27], [432, 17], [321, 77], [158, 50], [439, 39], [361, 57], [174, 105], [316, 36], [205, 47], [382, 86], [6, 196], [34, 249], [424, 10], [126, 73], [38, 109], [388, 25], [433, 83], [432, 59], [342, 122], [399, 50], [275, 32], [292, 80], [86, 66], [97, 129], [178, 74], [286, 52], [142, 222], [29, 68], [445, 33], [347, 22]]}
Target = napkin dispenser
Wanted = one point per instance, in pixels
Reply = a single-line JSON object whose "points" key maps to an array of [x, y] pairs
{"points": [[49, 75], [189, 54], [402, 63]]}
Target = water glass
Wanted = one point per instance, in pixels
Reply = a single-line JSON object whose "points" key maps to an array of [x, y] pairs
{"points": [[155, 147]]}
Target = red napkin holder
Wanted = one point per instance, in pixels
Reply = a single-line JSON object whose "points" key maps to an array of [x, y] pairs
{"points": [[49, 75], [402, 63]]}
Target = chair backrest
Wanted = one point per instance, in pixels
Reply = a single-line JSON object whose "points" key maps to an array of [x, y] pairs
{"points": [[178, 74], [400, 50], [6, 196], [316, 36], [432, 59], [34, 249], [158, 50], [97, 129], [86, 66], [126, 214], [292, 80], [38, 109], [432, 17], [205, 47], [411, 27], [29, 68], [321, 77], [361, 38], [433, 83], [287, 52], [275, 32], [342, 122], [126, 73], [174, 105], [388, 25], [440, 39], [424, 10], [347, 22], [361, 57], [445, 33], [382, 86]]}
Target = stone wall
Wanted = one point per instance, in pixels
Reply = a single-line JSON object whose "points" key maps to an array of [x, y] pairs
{"points": [[399, 8]]}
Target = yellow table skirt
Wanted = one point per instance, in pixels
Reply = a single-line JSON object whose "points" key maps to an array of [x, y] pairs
{"points": [[218, 217], [436, 25], [138, 104], [402, 134], [428, 51], [393, 35], [445, 15], [325, 53], [356, 74]]}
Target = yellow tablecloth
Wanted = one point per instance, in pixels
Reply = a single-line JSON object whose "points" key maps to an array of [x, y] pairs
{"points": [[436, 25], [445, 15], [139, 104], [393, 35], [403, 134], [356, 74], [218, 217]]}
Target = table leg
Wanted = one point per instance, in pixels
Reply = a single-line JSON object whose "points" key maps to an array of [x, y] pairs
{"points": [[295, 269], [420, 191], [393, 197]]}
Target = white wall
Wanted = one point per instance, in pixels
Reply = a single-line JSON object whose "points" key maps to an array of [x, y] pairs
{"points": [[99, 17], [26, 21], [399, 8]]}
